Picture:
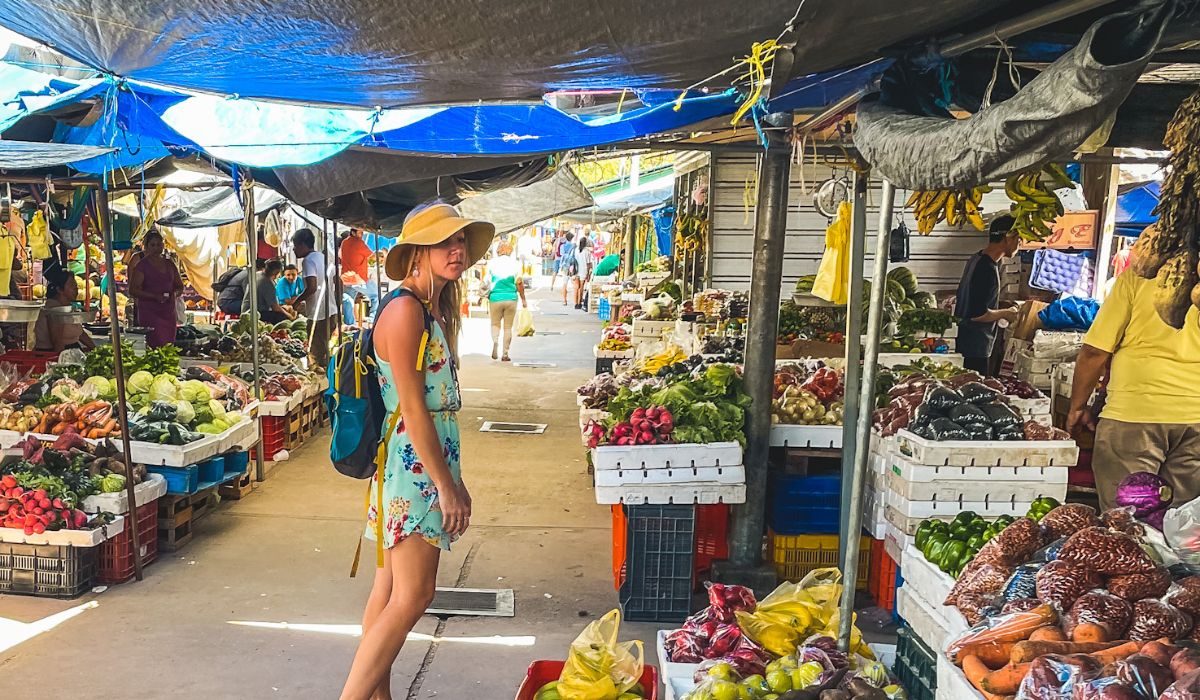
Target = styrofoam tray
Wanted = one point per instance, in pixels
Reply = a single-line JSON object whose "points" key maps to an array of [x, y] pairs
{"points": [[881, 445], [929, 583], [279, 407], [676, 677], [1029, 407], [819, 437], [895, 541], [690, 455], [76, 538], [951, 683], [611, 354], [241, 436], [155, 486], [1035, 365], [670, 493], [175, 455], [706, 475], [648, 327], [971, 453], [964, 484], [917, 511]]}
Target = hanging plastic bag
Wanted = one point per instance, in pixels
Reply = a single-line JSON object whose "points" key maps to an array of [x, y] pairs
{"points": [[524, 325], [38, 237], [833, 276], [598, 667]]}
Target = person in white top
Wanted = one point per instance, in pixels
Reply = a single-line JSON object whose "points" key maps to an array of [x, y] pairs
{"points": [[529, 252], [584, 264], [320, 305]]}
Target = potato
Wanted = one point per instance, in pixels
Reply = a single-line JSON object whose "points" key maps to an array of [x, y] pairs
{"points": [[1160, 652]]}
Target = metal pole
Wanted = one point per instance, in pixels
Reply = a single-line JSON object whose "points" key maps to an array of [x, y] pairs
{"points": [[260, 472], [1041, 17], [770, 231], [866, 394], [630, 251], [854, 324], [104, 221]]}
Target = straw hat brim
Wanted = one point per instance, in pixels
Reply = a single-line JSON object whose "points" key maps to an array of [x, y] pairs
{"points": [[479, 238]]}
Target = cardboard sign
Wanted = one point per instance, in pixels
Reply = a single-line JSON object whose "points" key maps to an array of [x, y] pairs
{"points": [[1073, 230]]}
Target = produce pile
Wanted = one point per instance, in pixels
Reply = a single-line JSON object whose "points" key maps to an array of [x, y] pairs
{"points": [[965, 406], [724, 348], [805, 397], [615, 338], [952, 545], [658, 308], [598, 667], [281, 344], [660, 264], [1078, 605], [43, 489], [956, 207], [275, 385], [1167, 251], [599, 390], [780, 647], [703, 405]]}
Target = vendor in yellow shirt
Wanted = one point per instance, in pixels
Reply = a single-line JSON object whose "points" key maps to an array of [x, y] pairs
{"points": [[1151, 419]]}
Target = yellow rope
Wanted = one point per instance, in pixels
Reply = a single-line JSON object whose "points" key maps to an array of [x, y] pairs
{"points": [[761, 55]]}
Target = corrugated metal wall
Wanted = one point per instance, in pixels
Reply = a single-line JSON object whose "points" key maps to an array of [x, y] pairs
{"points": [[937, 259]]}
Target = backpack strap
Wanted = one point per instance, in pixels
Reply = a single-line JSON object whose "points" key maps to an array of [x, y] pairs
{"points": [[380, 463]]}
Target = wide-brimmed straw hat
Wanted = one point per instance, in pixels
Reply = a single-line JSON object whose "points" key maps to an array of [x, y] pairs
{"points": [[434, 223]]}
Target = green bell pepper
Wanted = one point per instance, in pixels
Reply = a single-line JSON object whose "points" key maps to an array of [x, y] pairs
{"points": [[924, 530], [951, 555], [934, 547], [976, 541], [941, 526], [960, 532], [1039, 508], [964, 518]]}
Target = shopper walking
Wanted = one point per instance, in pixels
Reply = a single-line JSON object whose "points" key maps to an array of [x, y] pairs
{"points": [[1151, 417], [155, 283], [424, 504], [583, 269], [529, 253], [979, 297], [563, 248], [320, 302], [505, 287]]}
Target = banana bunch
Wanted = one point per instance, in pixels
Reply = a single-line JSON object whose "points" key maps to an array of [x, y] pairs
{"points": [[1034, 205], [668, 357], [956, 207]]}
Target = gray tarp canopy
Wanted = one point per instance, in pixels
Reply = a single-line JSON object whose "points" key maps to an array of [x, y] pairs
{"points": [[218, 207], [516, 207], [26, 155]]}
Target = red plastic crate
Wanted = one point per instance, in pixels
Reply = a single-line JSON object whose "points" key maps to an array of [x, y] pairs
{"points": [[274, 436], [619, 543], [712, 536], [881, 580], [542, 672], [25, 360], [116, 553]]}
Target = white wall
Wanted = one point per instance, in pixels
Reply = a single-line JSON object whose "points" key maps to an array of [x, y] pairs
{"points": [[937, 259]]}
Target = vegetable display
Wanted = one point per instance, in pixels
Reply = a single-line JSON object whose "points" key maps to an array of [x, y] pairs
{"points": [[706, 405], [950, 546]]}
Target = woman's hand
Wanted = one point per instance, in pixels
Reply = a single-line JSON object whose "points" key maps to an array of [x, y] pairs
{"points": [[456, 509]]}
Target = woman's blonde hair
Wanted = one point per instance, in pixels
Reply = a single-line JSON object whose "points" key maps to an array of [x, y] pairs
{"points": [[450, 301]]}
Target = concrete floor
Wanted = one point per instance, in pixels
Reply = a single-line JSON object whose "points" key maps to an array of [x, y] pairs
{"points": [[282, 555]]}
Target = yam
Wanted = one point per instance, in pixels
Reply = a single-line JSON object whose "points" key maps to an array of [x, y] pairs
{"points": [[1184, 662], [1173, 286]]}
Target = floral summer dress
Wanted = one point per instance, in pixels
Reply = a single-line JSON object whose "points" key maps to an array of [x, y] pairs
{"points": [[410, 497]]}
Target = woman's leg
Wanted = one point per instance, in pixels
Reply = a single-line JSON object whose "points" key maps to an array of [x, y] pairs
{"points": [[510, 317], [414, 564], [381, 591], [496, 314]]}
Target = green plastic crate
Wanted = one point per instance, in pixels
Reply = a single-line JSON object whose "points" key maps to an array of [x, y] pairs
{"points": [[916, 665]]}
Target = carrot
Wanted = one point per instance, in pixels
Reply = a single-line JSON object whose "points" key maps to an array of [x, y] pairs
{"points": [[1089, 632], [1014, 628], [975, 671], [992, 654], [1116, 653], [59, 428], [1005, 681], [91, 406], [1049, 633], [41, 427], [1024, 652]]}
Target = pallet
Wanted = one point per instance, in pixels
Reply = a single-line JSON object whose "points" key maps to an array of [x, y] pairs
{"points": [[237, 489], [177, 516]]}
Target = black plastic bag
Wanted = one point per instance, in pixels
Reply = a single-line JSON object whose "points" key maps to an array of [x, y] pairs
{"points": [[1022, 584], [942, 398], [946, 429], [1003, 417], [978, 432], [967, 415], [977, 393]]}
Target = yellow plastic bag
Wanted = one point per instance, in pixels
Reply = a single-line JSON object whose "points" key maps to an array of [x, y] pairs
{"points": [[598, 667], [833, 276], [38, 236], [793, 611], [524, 325]]}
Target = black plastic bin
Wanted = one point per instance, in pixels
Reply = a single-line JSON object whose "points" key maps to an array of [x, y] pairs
{"points": [[659, 554], [916, 665], [46, 570]]}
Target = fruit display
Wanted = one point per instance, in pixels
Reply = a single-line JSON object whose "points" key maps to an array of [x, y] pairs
{"points": [[950, 546], [724, 348], [1072, 608], [798, 322], [1034, 204], [615, 338], [597, 391], [658, 264], [808, 396], [956, 207], [598, 667], [669, 355], [659, 308]]}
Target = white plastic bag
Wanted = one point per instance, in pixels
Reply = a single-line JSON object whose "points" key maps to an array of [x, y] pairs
{"points": [[1181, 528]]}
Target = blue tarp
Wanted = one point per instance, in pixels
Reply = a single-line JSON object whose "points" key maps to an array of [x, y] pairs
{"points": [[145, 122], [1135, 209]]}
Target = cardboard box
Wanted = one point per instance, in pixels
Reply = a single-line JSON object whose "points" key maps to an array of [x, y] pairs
{"points": [[1027, 320], [1074, 230], [816, 348]]}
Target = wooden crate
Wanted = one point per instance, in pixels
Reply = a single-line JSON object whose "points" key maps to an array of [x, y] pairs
{"points": [[177, 516], [238, 489]]}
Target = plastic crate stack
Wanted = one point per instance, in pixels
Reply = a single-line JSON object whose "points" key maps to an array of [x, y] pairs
{"points": [[916, 665], [660, 562], [668, 474]]}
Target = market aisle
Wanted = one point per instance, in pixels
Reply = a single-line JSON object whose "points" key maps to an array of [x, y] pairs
{"points": [[282, 555]]}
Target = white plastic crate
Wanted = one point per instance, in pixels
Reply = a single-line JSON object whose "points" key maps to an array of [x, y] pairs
{"points": [[677, 678], [154, 454], [155, 486], [707, 475], [951, 683], [662, 494], [920, 619], [241, 436], [819, 437], [652, 329], [975, 453], [930, 584], [957, 484], [895, 541], [689, 455], [77, 538], [907, 515], [891, 359], [874, 513], [1030, 407]]}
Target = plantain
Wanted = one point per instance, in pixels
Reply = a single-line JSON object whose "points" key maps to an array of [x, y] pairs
{"points": [[952, 209], [1059, 175], [1173, 286], [913, 199]]}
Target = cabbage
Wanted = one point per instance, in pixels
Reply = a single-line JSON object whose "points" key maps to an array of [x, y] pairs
{"points": [[184, 412], [65, 391], [233, 417], [217, 409], [1148, 494], [112, 483], [100, 387], [139, 382], [208, 429], [194, 391], [163, 389], [203, 412], [220, 425]]}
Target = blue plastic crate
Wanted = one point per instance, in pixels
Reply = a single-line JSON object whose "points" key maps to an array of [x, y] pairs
{"points": [[801, 505], [604, 310], [236, 463], [211, 470], [180, 480]]}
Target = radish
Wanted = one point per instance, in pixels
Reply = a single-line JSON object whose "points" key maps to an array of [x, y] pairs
{"points": [[80, 518], [653, 413], [39, 494], [638, 414], [647, 437]]}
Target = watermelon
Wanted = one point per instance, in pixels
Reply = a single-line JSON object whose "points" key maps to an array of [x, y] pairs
{"points": [[906, 278], [300, 324], [895, 291]]}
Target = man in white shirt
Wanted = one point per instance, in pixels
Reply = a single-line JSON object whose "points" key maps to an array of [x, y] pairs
{"points": [[320, 306]]}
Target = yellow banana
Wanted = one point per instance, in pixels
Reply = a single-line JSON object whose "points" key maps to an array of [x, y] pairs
{"points": [[912, 199], [952, 209]]}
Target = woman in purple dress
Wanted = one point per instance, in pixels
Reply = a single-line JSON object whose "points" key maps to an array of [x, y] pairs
{"points": [[154, 281]]}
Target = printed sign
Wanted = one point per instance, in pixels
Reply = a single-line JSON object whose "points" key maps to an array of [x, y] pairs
{"points": [[1073, 230]]}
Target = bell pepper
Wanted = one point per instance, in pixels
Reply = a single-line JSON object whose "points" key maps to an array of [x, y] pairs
{"points": [[924, 530], [978, 526], [1041, 507], [960, 532], [941, 526], [976, 541], [964, 518], [934, 547], [951, 555]]}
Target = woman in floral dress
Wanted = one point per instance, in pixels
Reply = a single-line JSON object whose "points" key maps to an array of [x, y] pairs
{"points": [[423, 505]]}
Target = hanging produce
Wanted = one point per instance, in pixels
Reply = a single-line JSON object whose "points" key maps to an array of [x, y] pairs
{"points": [[956, 207], [1034, 204]]}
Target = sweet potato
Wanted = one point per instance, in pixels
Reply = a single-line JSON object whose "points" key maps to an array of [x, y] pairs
{"points": [[1012, 628], [1024, 652], [1089, 632], [1160, 650], [992, 654], [1114, 654], [1184, 662], [1005, 681], [1048, 633]]}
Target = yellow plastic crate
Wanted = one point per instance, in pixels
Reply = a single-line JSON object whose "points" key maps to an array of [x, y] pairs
{"points": [[796, 555]]}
